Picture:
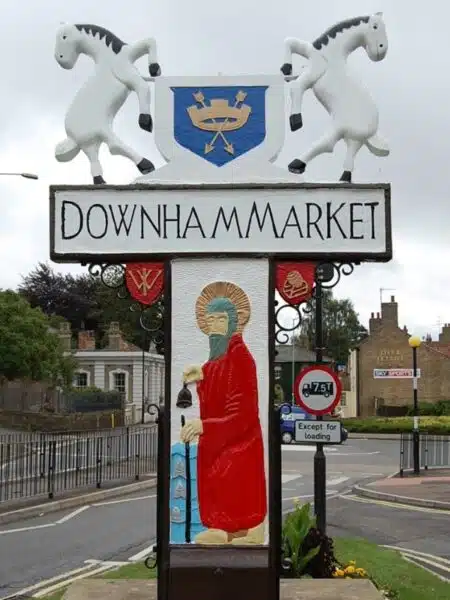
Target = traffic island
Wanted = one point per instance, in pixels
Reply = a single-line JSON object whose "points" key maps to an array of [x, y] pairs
{"points": [[297, 589]]}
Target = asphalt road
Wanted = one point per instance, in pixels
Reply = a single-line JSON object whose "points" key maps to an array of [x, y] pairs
{"points": [[35, 551]]}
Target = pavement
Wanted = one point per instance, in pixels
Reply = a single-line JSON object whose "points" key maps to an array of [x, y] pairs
{"points": [[50, 550], [430, 489]]}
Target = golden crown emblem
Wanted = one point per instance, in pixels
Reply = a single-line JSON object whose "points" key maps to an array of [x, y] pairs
{"points": [[219, 117]]}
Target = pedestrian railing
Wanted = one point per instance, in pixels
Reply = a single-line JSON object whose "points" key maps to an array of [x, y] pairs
{"points": [[434, 451], [33, 465]]}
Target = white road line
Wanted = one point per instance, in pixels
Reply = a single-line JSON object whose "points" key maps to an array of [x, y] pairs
{"points": [[31, 528], [65, 582], [337, 481], [415, 561], [72, 514], [142, 554], [440, 559], [301, 448], [298, 497], [285, 478], [123, 500], [436, 511], [36, 586]]}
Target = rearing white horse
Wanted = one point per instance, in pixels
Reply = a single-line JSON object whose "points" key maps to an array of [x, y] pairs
{"points": [[353, 112], [90, 117]]}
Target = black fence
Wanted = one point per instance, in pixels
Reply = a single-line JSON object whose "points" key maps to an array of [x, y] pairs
{"points": [[48, 464], [434, 451]]}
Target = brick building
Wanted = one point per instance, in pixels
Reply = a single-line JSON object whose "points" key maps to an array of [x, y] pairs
{"points": [[387, 347]]}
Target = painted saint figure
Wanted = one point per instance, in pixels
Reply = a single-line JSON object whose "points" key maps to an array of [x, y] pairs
{"points": [[230, 464]]}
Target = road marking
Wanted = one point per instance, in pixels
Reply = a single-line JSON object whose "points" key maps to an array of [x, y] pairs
{"points": [[36, 586], [337, 480], [31, 528], [142, 554], [285, 478], [112, 563], [65, 582], [71, 515], [440, 559], [298, 497], [301, 448], [108, 502], [435, 511], [418, 562]]}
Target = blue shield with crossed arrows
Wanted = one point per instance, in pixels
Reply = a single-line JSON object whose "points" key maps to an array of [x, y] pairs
{"points": [[219, 124]]}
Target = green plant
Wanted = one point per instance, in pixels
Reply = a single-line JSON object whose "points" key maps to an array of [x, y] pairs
{"points": [[323, 564], [295, 529]]}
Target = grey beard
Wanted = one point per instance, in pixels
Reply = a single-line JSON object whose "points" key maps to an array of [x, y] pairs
{"points": [[218, 345]]}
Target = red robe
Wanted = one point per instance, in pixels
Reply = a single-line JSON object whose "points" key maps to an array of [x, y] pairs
{"points": [[230, 464]]}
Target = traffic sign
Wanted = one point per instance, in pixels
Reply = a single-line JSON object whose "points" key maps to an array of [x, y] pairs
{"points": [[318, 432], [317, 390]]}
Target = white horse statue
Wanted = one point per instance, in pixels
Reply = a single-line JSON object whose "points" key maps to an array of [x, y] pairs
{"points": [[353, 112], [89, 119]]}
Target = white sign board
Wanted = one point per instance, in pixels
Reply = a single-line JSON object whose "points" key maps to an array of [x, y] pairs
{"points": [[322, 432], [291, 220], [394, 373]]}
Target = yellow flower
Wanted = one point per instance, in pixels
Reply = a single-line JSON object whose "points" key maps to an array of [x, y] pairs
{"points": [[361, 572], [339, 573], [350, 570], [352, 562], [296, 501]]}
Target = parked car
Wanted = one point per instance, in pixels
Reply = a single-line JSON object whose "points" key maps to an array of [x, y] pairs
{"points": [[291, 413]]}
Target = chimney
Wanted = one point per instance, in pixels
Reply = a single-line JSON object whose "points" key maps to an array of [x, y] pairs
{"points": [[65, 336], [374, 323], [86, 340], [114, 336], [444, 336], [389, 312]]}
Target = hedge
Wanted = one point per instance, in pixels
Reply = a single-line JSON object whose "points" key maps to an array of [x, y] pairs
{"points": [[433, 425], [440, 409]]}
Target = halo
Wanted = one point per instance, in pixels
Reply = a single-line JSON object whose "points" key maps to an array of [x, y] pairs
{"points": [[227, 290]]}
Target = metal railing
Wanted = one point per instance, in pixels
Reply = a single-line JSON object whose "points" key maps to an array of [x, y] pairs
{"points": [[434, 451], [48, 464]]}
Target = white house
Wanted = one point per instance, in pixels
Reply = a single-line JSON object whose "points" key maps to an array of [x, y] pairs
{"points": [[121, 366]]}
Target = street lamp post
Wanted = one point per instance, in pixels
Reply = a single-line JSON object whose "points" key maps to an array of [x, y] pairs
{"points": [[24, 175], [414, 343]]}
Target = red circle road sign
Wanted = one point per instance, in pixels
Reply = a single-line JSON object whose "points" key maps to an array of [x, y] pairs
{"points": [[317, 389]]}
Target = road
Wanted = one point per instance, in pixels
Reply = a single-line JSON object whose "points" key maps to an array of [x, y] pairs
{"points": [[34, 552]]}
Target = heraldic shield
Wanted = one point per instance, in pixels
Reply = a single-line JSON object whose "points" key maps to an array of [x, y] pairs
{"points": [[219, 123]]}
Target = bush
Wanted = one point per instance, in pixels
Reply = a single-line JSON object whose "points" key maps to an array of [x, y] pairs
{"points": [[92, 400], [439, 409], [296, 527], [433, 425], [323, 565]]}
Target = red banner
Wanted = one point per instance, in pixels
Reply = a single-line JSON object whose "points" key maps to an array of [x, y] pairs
{"points": [[295, 281], [145, 281]]}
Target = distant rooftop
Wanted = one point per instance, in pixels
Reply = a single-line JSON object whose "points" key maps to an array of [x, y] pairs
{"points": [[301, 354]]}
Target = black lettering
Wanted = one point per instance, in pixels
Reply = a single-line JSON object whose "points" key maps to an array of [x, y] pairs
{"points": [[167, 220], [353, 220], [295, 224], [221, 215], [254, 212], [88, 221], [196, 225], [332, 217], [157, 228], [122, 223], [372, 205], [311, 223], [63, 220]]}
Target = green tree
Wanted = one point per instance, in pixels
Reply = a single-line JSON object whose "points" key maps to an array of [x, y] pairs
{"points": [[342, 329], [28, 348], [86, 303]]}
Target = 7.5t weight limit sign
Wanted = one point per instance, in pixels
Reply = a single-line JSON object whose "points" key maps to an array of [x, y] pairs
{"points": [[317, 389]]}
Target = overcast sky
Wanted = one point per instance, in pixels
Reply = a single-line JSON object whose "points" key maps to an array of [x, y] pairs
{"points": [[411, 88]]}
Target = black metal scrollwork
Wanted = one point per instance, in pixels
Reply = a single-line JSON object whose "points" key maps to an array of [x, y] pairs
{"points": [[151, 561], [154, 411]]}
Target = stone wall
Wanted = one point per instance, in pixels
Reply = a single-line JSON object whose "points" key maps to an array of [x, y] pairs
{"points": [[28, 421]]}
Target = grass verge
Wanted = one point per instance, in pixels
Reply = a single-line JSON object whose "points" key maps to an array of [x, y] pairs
{"points": [[390, 571], [385, 567], [433, 425]]}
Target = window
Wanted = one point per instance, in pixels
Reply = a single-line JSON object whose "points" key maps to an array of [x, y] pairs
{"points": [[343, 399], [81, 380], [277, 372], [120, 383]]}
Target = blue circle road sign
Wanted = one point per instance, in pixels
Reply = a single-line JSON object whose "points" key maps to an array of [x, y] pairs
{"points": [[317, 389]]}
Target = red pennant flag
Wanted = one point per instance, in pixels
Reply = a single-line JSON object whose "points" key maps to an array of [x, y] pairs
{"points": [[145, 281], [295, 281]]}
